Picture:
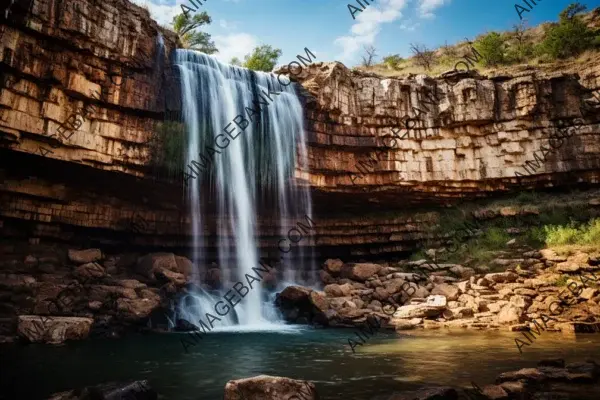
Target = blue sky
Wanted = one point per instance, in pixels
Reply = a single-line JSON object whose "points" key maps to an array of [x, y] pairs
{"points": [[327, 28]]}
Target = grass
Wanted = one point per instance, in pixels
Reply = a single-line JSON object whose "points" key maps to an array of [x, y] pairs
{"points": [[572, 234], [565, 222], [562, 281]]}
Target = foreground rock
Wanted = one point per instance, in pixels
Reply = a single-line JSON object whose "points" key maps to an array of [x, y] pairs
{"points": [[53, 330], [421, 295], [137, 390], [265, 387], [65, 291]]}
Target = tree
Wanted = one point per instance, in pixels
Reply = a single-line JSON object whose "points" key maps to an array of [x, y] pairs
{"points": [[392, 61], [185, 27], [423, 56], [235, 61], [491, 47], [570, 36], [522, 50], [262, 58], [571, 10], [449, 51], [369, 58]]}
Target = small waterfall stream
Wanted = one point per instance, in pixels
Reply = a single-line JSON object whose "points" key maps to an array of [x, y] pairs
{"points": [[255, 166]]}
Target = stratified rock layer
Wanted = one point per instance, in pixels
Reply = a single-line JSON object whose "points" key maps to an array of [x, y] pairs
{"points": [[470, 141]]}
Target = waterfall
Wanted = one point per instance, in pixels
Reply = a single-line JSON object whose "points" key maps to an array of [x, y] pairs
{"points": [[253, 175]]}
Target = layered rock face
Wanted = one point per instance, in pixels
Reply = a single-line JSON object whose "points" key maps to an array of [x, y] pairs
{"points": [[101, 66], [67, 56], [469, 134]]}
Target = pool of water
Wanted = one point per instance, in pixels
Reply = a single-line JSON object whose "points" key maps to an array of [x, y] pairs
{"points": [[387, 362]]}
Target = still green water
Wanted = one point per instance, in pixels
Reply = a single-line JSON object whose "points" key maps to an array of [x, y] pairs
{"points": [[387, 362]]}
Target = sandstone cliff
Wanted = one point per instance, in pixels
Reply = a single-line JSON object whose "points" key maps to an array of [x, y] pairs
{"points": [[60, 55]]}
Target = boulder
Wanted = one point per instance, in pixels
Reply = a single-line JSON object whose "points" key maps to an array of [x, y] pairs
{"points": [[520, 301], [436, 301], [463, 286], [418, 311], [319, 301], [588, 293], [53, 330], [495, 392], [551, 255], [137, 390], [568, 266], [293, 295], [510, 314], [360, 271], [502, 277], [170, 276], [394, 285], [184, 265], [85, 256], [381, 294], [326, 278], [450, 291], [89, 271], [335, 290], [136, 309], [265, 387], [151, 263], [333, 266], [497, 306]]}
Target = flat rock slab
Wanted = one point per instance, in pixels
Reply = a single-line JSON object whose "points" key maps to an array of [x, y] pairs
{"points": [[418, 311], [53, 330]]}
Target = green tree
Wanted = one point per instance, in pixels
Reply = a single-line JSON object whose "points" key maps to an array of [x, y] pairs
{"points": [[235, 61], [571, 11], [185, 27], [392, 61], [262, 58], [570, 36], [491, 47]]}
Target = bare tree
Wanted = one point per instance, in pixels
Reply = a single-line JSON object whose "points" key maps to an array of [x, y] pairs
{"points": [[449, 51], [369, 58], [519, 32], [423, 56]]}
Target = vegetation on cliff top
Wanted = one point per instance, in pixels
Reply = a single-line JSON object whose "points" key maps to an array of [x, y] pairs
{"points": [[572, 36]]}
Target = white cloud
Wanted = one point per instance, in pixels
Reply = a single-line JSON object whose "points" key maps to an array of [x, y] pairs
{"points": [[427, 6], [234, 45], [364, 31], [409, 27], [162, 13], [227, 24]]}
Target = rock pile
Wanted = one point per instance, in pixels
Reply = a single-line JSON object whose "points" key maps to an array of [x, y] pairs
{"points": [[512, 298], [71, 295]]}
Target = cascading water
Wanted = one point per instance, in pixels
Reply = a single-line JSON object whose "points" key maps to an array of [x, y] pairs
{"points": [[256, 167]]}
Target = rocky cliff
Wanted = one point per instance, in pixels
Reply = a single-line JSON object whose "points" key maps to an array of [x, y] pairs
{"points": [[101, 69]]}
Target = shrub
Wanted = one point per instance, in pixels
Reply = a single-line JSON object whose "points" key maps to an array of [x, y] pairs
{"points": [[570, 36], [520, 53], [491, 46], [392, 61], [557, 235], [262, 58], [562, 281]]}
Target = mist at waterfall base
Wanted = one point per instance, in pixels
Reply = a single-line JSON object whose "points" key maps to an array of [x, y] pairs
{"points": [[257, 166]]}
